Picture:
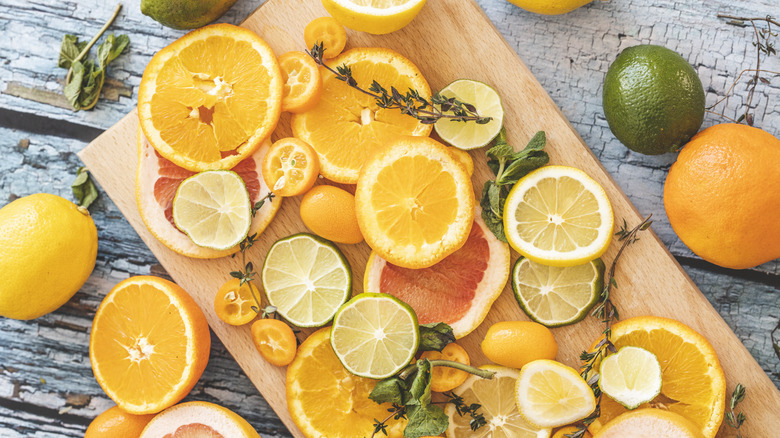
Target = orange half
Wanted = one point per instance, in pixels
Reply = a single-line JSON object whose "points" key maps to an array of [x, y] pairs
{"points": [[347, 126], [149, 344], [210, 98]]}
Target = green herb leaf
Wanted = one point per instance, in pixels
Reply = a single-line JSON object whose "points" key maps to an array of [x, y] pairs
{"points": [[69, 50], [72, 89], [425, 419], [118, 46], [390, 390], [522, 166], [435, 336], [493, 221], [537, 142], [84, 189], [500, 148]]}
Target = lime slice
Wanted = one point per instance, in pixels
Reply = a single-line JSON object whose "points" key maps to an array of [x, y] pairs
{"points": [[495, 397], [631, 376], [558, 216], [471, 135], [375, 335], [554, 296], [307, 279], [213, 209], [550, 394]]}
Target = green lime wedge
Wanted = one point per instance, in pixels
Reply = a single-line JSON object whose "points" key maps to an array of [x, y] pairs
{"points": [[554, 296], [213, 209], [471, 135], [307, 279], [631, 376], [375, 335]]}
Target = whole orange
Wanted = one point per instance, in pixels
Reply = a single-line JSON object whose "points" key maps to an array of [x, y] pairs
{"points": [[722, 196], [114, 422]]}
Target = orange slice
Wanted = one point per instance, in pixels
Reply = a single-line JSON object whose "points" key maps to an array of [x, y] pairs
{"points": [[198, 419], [347, 126], [291, 167], [326, 400], [302, 82], [158, 179], [414, 202], [208, 100], [694, 385], [149, 344]]}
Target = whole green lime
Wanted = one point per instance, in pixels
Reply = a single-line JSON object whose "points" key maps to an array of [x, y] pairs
{"points": [[185, 14], [653, 100]]}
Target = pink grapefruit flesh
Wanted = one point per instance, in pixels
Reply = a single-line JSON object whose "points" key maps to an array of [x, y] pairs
{"points": [[458, 290]]}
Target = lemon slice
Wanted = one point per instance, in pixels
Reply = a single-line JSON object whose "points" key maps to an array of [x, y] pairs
{"points": [[471, 135], [375, 335], [558, 216], [550, 394], [495, 397], [307, 279], [374, 16], [213, 208], [631, 376], [554, 296]]}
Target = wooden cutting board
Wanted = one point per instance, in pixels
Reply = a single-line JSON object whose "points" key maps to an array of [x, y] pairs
{"points": [[450, 39]]}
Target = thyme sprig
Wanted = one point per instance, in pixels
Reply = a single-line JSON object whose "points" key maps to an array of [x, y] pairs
{"points": [[412, 103], [477, 418], [764, 46], [734, 419], [247, 273], [608, 313]]}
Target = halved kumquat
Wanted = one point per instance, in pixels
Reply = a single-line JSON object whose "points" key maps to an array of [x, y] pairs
{"points": [[233, 303], [302, 82], [291, 167]]}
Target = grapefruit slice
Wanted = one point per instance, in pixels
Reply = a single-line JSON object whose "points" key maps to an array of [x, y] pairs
{"points": [[198, 419], [458, 290], [155, 187]]}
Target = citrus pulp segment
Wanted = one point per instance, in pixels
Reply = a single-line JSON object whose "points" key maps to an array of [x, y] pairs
{"points": [[208, 100], [149, 344], [306, 278], [315, 375], [496, 398], [374, 16], [649, 423], [694, 385], [213, 208], [375, 335], [156, 182], [555, 296], [631, 376], [347, 126], [471, 135], [558, 216], [459, 290], [551, 394], [415, 202], [198, 419]]}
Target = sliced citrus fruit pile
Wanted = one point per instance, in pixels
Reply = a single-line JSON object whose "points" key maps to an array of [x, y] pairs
{"points": [[471, 135], [556, 296], [149, 344], [496, 398], [307, 279], [348, 412], [631, 376], [328, 32], [550, 394], [233, 303], [158, 179], [347, 126], [694, 385], [459, 290], [415, 203], [213, 209], [198, 419], [558, 216], [374, 16], [375, 335], [290, 167], [649, 423], [302, 82], [208, 100]]}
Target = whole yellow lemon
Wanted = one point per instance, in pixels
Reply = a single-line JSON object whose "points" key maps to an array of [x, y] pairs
{"points": [[515, 343], [550, 7], [48, 248]]}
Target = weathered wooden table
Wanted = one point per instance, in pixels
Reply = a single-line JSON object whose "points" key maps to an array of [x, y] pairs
{"points": [[46, 383]]}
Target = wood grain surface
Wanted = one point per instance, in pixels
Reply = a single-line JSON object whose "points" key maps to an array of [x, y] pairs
{"points": [[651, 282]]}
